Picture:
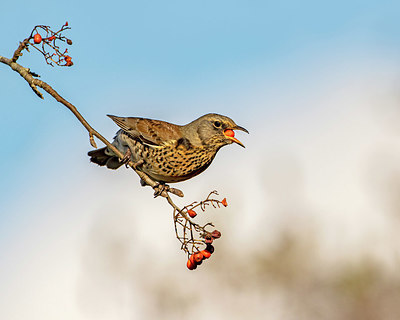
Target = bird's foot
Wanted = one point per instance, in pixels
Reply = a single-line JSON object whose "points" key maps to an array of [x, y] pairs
{"points": [[127, 157], [160, 187], [137, 164]]}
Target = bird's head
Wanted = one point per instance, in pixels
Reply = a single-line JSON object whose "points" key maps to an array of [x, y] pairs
{"points": [[216, 129]]}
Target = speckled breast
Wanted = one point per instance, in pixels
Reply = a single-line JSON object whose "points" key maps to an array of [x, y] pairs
{"points": [[175, 162]]}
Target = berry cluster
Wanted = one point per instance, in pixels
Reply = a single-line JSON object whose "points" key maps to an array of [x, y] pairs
{"points": [[197, 258], [192, 235], [44, 40]]}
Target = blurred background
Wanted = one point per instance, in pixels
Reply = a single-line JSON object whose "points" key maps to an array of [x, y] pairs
{"points": [[311, 230]]}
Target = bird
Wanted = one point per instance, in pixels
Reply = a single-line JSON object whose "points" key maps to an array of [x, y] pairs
{"points": [[167, 152]]}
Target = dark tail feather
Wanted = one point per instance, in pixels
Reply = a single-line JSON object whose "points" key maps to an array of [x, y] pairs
{"points": [[100, 157]]}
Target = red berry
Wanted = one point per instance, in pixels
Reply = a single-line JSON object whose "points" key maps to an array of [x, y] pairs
{"points": [[198, 256], [37, 38], [68, 61], [206, 254], [229, 133], [191, 213], [224, 203], [66, 24], [191, 265]]}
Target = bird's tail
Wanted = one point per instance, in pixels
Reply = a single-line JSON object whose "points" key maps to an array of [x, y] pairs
{"points": [[100, 157]]}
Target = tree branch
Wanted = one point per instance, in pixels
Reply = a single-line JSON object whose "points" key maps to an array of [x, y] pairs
{"points": [[35, 83], [190, 242]]}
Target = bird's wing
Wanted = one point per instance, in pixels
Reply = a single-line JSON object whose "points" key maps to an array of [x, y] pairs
{"points": [[151, 132]]}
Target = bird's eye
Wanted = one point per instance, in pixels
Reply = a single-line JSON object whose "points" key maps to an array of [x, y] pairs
{"points": [[217, 124]]}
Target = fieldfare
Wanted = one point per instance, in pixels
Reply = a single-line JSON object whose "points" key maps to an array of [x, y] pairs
{"points": [[168, 152]]}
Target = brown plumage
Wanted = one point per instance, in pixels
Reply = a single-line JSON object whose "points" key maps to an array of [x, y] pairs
{"points": [[169, 152]]}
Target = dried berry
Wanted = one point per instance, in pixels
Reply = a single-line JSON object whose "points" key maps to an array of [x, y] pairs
{"points": [[208, 239], [216, 234], [69, 41], [210, 248]]}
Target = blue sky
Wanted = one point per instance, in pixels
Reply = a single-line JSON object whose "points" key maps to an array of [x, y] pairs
{"points": [[171, 60], [156, 58]]}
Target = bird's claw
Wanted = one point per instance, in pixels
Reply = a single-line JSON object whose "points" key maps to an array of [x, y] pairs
{"points": [[127, 157], [138, 164], [160, 188]]}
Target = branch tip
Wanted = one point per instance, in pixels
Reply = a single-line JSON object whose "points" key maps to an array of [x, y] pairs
{"points": [[176, 192], [92, 142], [36, 90]]}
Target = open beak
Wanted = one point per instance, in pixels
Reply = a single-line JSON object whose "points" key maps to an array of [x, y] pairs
{"points": [[229, 134]]}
